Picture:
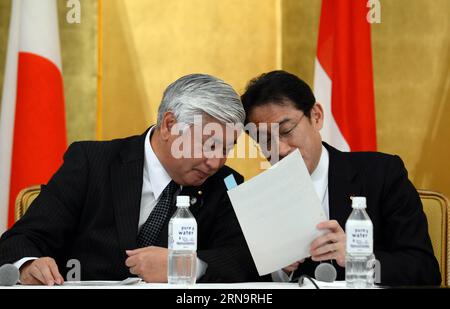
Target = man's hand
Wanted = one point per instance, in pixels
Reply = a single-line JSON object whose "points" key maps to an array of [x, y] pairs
{"points": [[293, 267], [331, 245], [42, 271], [149, 263]]}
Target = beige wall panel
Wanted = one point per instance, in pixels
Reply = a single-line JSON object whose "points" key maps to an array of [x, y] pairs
{"points": [[149, 44], [5, 12], [79, 62], [300, 28], [412, 87]]}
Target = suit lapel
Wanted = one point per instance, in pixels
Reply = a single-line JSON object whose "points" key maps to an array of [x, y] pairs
{"points": [[342, 184], [196, 194], [127, 179]]}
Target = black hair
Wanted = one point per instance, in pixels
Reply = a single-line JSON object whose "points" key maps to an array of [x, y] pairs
{"points": [[277, 87]]}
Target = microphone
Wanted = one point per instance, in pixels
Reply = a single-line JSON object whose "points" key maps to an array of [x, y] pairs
{"points": [[9, 275], [325, 272]]}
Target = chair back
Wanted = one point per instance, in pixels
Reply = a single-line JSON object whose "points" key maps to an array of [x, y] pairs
{"points": [[436, 208]]}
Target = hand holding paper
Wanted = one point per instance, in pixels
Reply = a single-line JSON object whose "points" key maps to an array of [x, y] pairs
{"points": [[278, 211]]}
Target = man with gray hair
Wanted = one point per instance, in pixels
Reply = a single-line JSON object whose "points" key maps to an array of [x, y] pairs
{"points": [[109, 204]]}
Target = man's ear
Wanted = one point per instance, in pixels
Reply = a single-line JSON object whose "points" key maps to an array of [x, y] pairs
{"points": [[167, 124], [317, 116]]}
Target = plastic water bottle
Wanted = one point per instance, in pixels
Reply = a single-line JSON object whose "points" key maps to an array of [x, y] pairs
{"points": [[360, 260], [182, 260]]}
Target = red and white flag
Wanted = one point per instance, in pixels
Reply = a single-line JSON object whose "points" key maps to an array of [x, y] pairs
{"points": [[343, 79], [32, 118]]}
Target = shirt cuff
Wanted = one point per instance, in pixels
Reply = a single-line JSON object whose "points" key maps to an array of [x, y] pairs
{"points": [[281, 276], [20, 262]]}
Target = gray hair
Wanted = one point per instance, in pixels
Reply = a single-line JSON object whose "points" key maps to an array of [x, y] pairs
{"points": [[198, 94]]}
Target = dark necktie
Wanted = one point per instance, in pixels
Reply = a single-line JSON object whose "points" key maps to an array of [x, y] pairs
{"points": [[150, 230]]}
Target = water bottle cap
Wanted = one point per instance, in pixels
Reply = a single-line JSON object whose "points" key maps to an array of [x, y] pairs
{"points": [[358, 202], [183, 201]]}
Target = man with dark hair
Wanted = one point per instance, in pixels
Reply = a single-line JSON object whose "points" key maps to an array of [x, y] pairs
{"points": [[401, 241]]}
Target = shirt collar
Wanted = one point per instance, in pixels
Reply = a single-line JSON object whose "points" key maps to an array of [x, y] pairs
{"points": [[320, 174], [154, 172]]}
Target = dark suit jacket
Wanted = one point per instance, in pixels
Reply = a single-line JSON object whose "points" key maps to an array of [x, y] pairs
{"points": [[89, 211], [401, 240]]}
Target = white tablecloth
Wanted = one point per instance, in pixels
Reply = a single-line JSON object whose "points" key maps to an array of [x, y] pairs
{"points": [[220, 286]]}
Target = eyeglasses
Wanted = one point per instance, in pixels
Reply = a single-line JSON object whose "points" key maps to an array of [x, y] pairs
{"points": [[282, 134], [287, 133]]}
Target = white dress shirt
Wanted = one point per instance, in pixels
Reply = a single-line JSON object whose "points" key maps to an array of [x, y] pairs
{"points": [[320, 182], [155, 180]]}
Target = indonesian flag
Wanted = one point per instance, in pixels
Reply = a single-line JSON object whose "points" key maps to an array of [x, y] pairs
{"points": [[343, 80], [32, 119]]}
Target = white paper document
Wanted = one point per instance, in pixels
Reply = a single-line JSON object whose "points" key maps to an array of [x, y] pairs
{"points": [[278, 211], [128, 281]]}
